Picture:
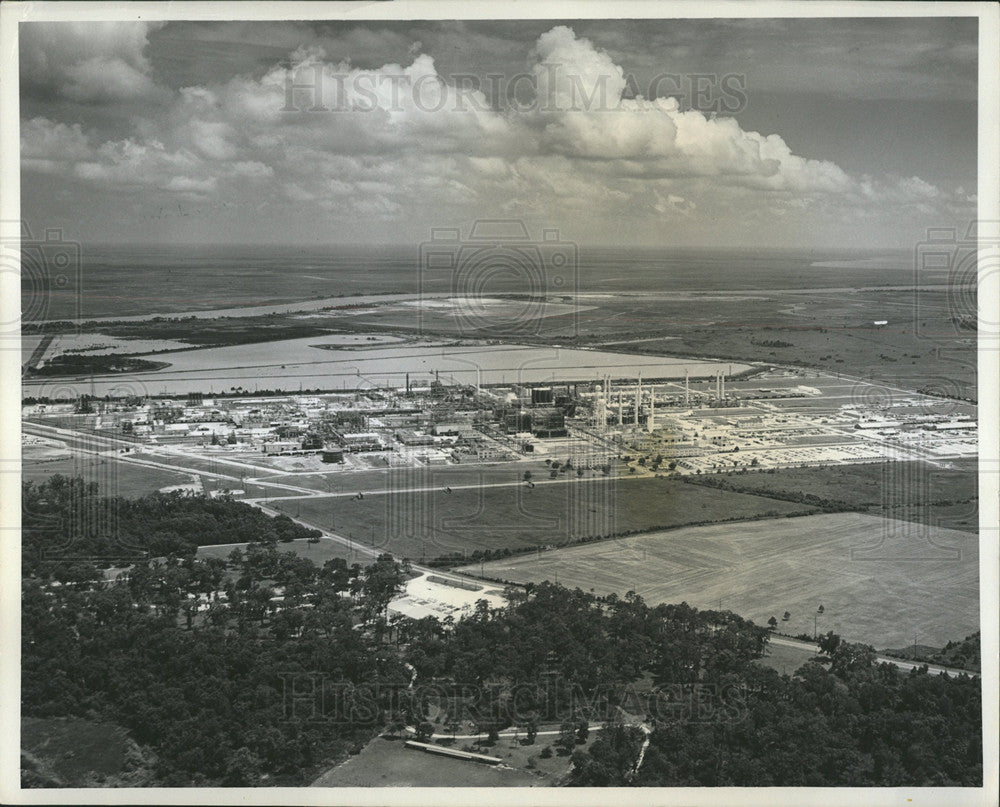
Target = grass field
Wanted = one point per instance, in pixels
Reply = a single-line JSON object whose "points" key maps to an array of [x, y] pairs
{"points": [[318, 553], [879, 580], [113, 478], [71, 752], [921, 347], [443, 475], [387, 763], [912, 491], [426, 525], [786, 659]]}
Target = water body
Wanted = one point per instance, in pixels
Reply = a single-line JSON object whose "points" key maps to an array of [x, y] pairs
{"points": [[133, 281], [302, 363]]}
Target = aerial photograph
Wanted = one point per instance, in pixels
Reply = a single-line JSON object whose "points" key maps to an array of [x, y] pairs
{"points": [[500, 403]]}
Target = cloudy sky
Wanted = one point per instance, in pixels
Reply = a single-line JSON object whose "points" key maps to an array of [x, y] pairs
{"points": [[797, 132]]}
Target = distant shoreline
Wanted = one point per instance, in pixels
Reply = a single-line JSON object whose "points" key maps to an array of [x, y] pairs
{"points": [[249, 310]]}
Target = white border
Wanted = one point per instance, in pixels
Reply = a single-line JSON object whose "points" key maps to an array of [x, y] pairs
{"points": [[989, 398]]}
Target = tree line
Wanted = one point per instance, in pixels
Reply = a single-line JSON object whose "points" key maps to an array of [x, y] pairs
{"points": [[263, 667]]}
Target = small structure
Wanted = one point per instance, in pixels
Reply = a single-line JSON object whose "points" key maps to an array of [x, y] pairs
{"points": [[281, 447], [452, 752]]}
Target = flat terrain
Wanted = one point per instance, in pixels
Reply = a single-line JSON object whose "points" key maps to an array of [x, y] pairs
{"points": [[747, 305], [879, 580], [319, 553], [923, 345], [911, 491], [112, 477], [786, 659], [431, 523], [387, 763], [300, 364], [335, 479]]}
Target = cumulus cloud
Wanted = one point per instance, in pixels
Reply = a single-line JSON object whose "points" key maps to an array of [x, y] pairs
{"points": [[89, 61], [582, 101], [402, 140]]}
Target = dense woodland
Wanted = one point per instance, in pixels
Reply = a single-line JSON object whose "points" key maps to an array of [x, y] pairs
{"points": [[266, 668], [66, 519]]}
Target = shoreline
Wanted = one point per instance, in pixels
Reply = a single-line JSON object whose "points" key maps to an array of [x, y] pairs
{"points": [[264, 309]]}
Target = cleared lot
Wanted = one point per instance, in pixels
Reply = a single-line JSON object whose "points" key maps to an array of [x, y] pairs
{"points": [[386, 763], [879, 580]]}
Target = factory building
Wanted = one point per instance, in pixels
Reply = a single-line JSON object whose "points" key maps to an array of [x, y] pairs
{"points": [[548, 423], [541, 396], [361, 441], [408, 437]]}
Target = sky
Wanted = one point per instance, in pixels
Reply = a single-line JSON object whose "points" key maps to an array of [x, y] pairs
{"points": [[773, 133]]}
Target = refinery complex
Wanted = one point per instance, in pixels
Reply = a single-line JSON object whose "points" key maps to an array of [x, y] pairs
{"points": [[765, 418]]}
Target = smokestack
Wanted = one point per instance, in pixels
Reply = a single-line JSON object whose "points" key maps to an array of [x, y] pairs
{"points": [[722, 381], [687, 387], [651, 420], [638, 400], [619, 407]]}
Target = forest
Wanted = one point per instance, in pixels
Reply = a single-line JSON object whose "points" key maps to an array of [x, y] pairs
{"points": [[65, 520], [265, 669]]}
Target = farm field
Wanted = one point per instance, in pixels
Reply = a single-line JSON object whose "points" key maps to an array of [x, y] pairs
{"points": [[911, 491], [387, 763], [426, 525], [879, 580]]}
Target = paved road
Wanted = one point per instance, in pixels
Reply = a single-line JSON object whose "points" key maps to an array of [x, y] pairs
{"points": [[101, 445], [363, 549], [933, 669]]}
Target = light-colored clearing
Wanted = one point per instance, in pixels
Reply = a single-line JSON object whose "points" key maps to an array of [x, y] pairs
{"points": [[879, 580]]}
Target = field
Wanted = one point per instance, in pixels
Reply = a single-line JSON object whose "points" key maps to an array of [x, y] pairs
{"points": [[786, 659], [71, 752], [386, 763], [428, 524], [113, 478], [923, 345], [880, 580], [911, 491], [318, 553], [337, 479]]}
